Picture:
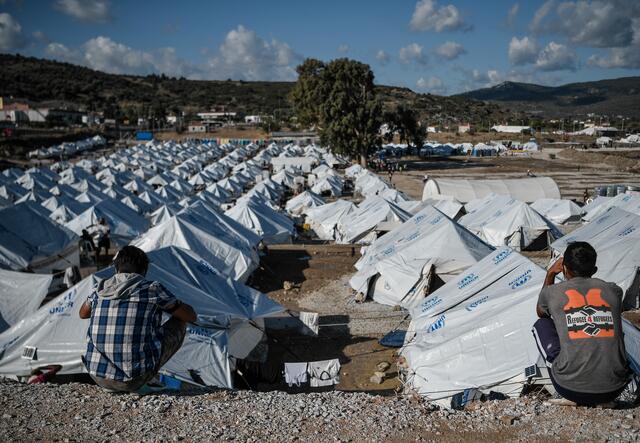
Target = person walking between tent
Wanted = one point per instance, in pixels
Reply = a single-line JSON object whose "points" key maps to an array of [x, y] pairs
{"points": [[579, 332], [101, 233], [126, 343]]}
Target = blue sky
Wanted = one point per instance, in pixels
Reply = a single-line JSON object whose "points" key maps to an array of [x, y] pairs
{"points": [[442, 47]]}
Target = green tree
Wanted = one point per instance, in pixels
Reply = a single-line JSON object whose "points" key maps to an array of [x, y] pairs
{"points": [[404, 122], [339, 99]]}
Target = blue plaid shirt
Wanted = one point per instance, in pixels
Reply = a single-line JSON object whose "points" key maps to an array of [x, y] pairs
{"points": [[124, 339]]}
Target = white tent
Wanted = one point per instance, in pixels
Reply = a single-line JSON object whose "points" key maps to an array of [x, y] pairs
{"points": [[504, 221], [226, 252], [274, 227], [400, 267], [29, 239], [475, 331], [627, 202], [226, 311], [449, 207], [324, 219], [615, 235], [21, 294], [124, 223], [558, 211], [329, 184], [524, 189], [373, 215], [369, 184], [300, 203], [353, 171]]}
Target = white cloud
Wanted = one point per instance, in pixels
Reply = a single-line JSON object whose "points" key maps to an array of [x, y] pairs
{"points": [[10, 33], [593, 23], [41, 37], [413, 53], [557, 57], [343, 49], [427, 16], [522, 51], [245, 55], [540, 14], [450, 50], [433, 84], [512, 14], [382, 57], [95, 11], [242, 55]]}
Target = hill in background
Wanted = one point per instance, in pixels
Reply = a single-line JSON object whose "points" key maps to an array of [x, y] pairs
{"points": [[42, 80], [605, 97]]}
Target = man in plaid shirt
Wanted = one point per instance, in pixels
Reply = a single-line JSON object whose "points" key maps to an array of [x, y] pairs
{"points": [[126, 343]]}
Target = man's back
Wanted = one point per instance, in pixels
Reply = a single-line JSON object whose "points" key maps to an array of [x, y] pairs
{"points": [[586, 313], [124, 337]]}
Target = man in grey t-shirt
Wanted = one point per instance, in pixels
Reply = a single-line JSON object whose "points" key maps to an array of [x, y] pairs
{"points": [[579, 332]]}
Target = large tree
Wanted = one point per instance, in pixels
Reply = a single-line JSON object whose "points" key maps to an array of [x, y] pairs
{"points": [[339, 99], [404, 122]]}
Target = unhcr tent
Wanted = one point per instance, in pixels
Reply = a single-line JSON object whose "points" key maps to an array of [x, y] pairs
{"points": [[125, 224], [524, 189], [324, 219], [329, 184], [626, 202], [274, 227], [373, 215], [475, 331], [558, 211], [404, 265], [30, 240], [226, 311], [21, 294], [503, 221]]}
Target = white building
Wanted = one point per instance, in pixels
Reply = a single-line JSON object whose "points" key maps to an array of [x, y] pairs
{"points": [[253, 119]]}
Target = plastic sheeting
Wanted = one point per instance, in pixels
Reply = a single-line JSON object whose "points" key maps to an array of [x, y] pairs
{"points": [[404, 259], [21, 294], [524, 189], [475, 331], [503, 221], [224, 307]]}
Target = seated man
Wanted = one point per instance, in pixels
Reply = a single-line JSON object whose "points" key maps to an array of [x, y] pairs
{"points": [[126, 344], [579, 332]]}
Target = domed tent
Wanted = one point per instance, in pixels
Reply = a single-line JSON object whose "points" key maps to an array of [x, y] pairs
{"points": [[402, 266], [524, 189]]}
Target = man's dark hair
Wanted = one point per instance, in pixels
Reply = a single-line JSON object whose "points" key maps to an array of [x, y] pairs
{"points": [[131, 260], [580, 258]]}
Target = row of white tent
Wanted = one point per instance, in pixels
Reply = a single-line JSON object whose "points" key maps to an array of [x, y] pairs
{"points": [[69, 148], [198, 250]]}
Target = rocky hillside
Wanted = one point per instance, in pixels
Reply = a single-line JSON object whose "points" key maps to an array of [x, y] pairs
{"points": [[613, 97], [49, 81]]}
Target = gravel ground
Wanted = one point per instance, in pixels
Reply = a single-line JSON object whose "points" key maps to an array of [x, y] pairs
{"points": [[79, 412]]}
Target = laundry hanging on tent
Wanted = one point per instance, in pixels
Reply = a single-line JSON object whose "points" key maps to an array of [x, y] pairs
{"points": [[324, 373], [295, 374]]}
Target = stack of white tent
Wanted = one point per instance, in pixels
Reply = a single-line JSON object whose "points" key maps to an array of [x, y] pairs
{"points": [[401, 267]]}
